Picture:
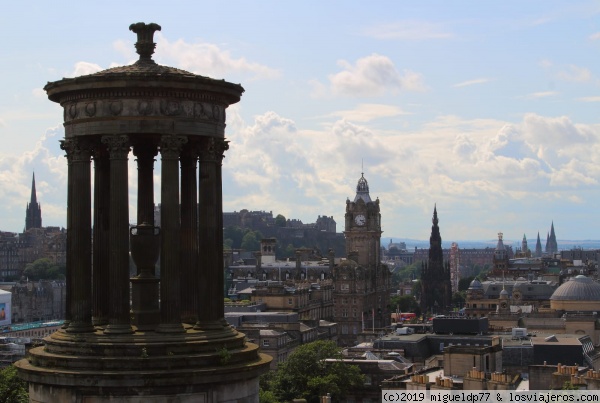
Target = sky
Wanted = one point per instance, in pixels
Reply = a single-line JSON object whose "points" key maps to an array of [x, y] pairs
{"points": [[488, 110]]}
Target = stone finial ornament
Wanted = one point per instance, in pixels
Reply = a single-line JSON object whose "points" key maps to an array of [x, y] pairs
{"points": [[145, 40]]}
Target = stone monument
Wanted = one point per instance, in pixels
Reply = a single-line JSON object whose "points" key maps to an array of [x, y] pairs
{"points": [[150, 338]]}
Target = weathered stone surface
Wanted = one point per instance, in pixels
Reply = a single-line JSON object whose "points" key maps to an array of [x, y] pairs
{"points": [[108, 349]]}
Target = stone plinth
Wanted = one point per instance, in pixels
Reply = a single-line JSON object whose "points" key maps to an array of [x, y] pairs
{"points": [[195, 366]]}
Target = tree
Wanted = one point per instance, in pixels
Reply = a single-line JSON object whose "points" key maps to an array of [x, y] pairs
{"points": [[464, 283], [251, 242], [280, 221], [12, 388], [305, 374], [459, 298], [406, 303], [44, 269], [235, 234]]}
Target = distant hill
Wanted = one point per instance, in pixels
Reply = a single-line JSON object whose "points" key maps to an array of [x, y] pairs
{"points": [[468, 244]]}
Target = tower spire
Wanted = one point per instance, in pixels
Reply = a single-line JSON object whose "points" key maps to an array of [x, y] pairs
{"points": [[33, 192], [33, 213]]}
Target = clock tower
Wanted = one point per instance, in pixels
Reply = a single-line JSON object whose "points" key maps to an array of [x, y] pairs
{"points": [[362, 283], [363, 226]]}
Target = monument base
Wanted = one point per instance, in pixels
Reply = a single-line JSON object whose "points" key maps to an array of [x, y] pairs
{"points": [[195, 366]]}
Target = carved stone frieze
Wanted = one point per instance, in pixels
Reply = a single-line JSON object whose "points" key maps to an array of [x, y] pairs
{"points": [[73, 112], [145, 107], [90, 109], [170, 107]]}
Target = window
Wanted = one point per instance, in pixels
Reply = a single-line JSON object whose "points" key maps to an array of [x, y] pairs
{"points": [[345, 287], [266, 343], [344, 313], [290, 301]]}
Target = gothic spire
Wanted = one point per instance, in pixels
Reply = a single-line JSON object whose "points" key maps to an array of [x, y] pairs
{"points": [[538, 246], [33, 213], [33, 192]]}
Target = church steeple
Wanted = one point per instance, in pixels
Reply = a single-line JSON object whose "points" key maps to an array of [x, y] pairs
{"points": [[33, 213], [538, 246]]}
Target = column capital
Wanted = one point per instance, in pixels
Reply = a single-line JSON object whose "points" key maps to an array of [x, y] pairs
{"points": [[118, 146], [213, 149], [171, 146], [77, 150], [145, 150]]}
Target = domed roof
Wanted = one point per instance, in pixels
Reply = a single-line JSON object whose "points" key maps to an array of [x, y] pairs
{"points": [[580, 288], [145, 70], [504, 293], [475, 285], [362, 190]]}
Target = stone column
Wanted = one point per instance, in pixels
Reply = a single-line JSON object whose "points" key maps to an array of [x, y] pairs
{"points": [[118, 273], [170, 307], [145, 154], [189, 235], [79, 239], [144, 287], [210, 214], [101, 254]]}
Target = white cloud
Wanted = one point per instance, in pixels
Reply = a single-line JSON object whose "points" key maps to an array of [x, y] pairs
{"points": [[208, 59], [39, 93], [369, 112], [541, 94], [576, 74], [84, 68], [472, 82], [408, 30], [595, 36], [589, 99], [373, 75], [46, 159]]}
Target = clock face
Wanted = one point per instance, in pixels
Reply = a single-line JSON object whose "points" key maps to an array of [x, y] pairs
{"points": [[359, 219]]}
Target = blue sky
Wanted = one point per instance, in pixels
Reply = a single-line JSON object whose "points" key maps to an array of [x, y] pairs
{"points": [[489, 109]]}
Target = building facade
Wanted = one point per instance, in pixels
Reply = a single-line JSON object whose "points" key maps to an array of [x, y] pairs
{"points": [[362, 283]]}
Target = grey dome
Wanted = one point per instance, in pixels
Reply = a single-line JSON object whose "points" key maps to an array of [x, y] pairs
{"points": [[475, 285], [580, 288], [503, 293]]}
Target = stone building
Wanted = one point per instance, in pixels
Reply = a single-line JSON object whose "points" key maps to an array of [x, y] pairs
{"points": [[362, 283], [35, 242], [38, 301]]}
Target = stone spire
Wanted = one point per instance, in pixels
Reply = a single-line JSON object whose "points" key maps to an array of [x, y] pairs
{"points": [[538, 246], [524, 247], [552, 244], [33, 213], [436, 289]]}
